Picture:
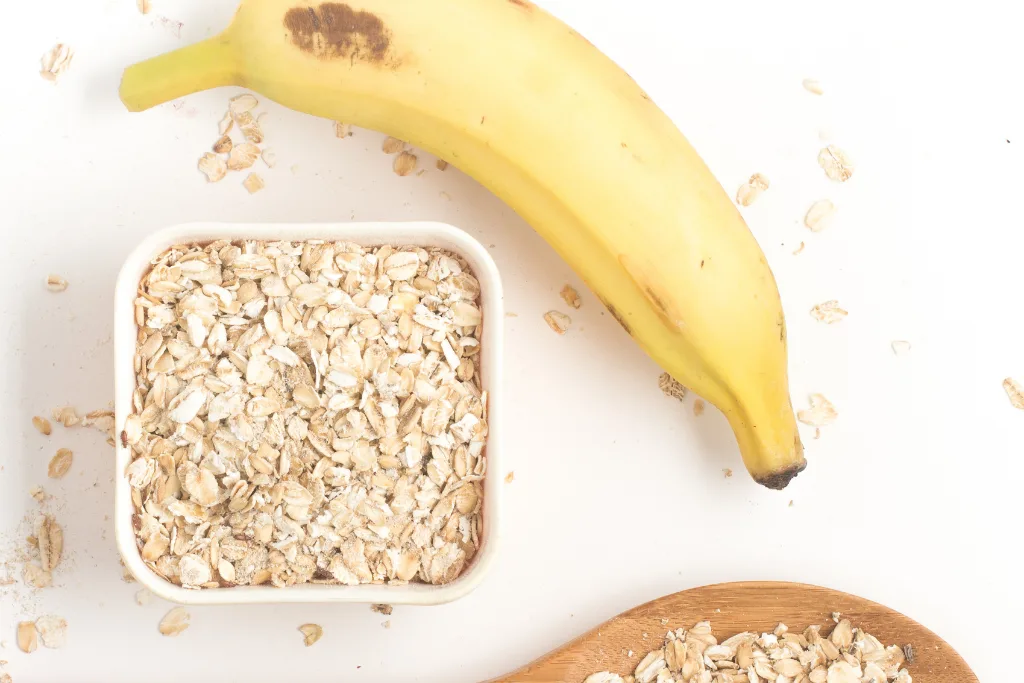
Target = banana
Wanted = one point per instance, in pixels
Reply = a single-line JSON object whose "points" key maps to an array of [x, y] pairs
{"points": [[527, 106]]}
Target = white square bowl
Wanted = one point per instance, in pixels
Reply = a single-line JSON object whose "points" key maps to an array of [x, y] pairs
{"points": [[423, 234]]}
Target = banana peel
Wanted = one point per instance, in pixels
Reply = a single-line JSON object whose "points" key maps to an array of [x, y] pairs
{"points": [[533, 111]]}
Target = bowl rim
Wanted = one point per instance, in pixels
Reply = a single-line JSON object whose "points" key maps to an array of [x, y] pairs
{"points": [[368, 233]]}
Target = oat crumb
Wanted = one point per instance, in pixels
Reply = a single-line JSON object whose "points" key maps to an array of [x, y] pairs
{"points": [[441, 164], [223, 145], [43, 425], [828, 312], [59, 464], [342, 130], [570, 296], [382, 608], [55, 283], [749, 191], [821, 412], [311, 633], [798, 249], [900, 346], [727, 472], [56, 61], [812, 86], [819, 215], [1015, 392], [836, 163], [213, 167], [557, 321], [405, 163], [253, 183], [510, 477], [392, 145], [670, 387], [698, 407], [175, 622]]}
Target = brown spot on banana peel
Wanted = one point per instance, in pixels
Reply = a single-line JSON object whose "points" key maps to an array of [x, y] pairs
{"points": [[618, 317], [522, 3], [653, 292], [334, 30]]}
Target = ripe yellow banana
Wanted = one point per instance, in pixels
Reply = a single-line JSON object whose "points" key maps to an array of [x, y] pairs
{"points": [[528, 107]]}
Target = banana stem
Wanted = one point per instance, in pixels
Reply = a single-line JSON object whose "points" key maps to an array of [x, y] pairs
{"points": [[207, 64]]}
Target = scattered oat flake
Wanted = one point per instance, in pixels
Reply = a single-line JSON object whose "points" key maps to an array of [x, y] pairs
{"points": [[253, 183], [28, 639], [790, 504], [821, 412], [557, 321], [819, 215], [342, 130], [392, 145], [37, 493], [143, 597], [386, 624], [42, 424], [382, 608], [510, 314], [727, 472], [52, 631], [405, 163], [670, 387], [798, 249], [749, 191], [144, 6], [441, 164], [6, 678], [66, 415], [269, 157], [570, 296], [698, 406], [241, 104], [223, 145], [55, 283], [811, 85], [444, 195], [242, 156], [213, 167], [900, 346], [50, 541], [225, 124], [836, 163], [510, 477], [828, 312], [59, 464], [56, 62], [175, 621], [311, 633], [1015, 391]]}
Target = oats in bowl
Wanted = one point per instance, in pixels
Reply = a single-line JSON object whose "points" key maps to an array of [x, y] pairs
{"points": [[307, 412]]}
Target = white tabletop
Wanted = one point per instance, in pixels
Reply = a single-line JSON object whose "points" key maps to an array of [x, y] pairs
{"points": [[911, 498]]}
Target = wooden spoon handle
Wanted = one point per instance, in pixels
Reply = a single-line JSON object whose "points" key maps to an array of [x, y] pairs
{"points": [[732, 608]]}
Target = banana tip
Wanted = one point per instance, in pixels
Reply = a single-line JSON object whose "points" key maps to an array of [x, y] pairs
{"points": [[780, 479]]}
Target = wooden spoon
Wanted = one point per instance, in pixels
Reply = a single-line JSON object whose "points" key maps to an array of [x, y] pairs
{"points": [[732, 608]]}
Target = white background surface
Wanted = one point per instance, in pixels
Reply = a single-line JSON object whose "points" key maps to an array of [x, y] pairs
{"points": [[911, 498]]}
